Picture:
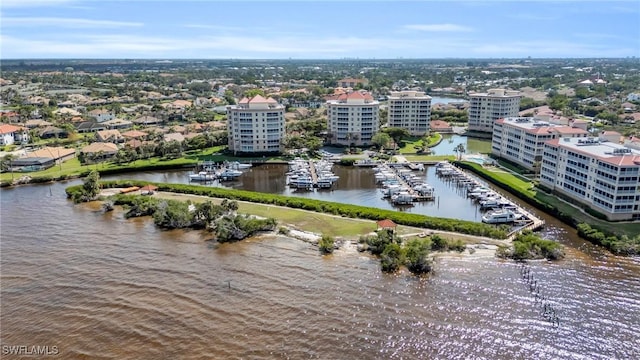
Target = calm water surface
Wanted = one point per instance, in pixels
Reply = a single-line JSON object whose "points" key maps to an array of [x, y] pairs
{"points": [[100, 286]]}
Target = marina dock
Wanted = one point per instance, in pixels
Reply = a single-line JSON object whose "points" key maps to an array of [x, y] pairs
{"points": [[401, 185], [310, 174], [498, 209]]}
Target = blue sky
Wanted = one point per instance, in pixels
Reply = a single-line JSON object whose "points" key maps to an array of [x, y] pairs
{"points": [[324, 29]]}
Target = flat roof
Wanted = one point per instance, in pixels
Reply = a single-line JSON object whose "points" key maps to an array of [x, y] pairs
{"points": [[606, 151], [538, 126]]}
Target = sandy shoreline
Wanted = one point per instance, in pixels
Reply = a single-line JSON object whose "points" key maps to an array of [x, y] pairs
{"points": [[477, 246]]}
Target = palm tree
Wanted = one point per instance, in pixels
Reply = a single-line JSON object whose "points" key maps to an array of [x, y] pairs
{"points": [[6, 163], [459, 150]]}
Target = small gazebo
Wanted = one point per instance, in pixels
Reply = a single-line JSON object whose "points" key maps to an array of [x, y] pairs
{"points": [[386, 224], [148, 189]]}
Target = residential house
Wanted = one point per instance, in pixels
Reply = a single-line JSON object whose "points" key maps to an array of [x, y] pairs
{"points": [[135, 134], [36, 123], [351, 82], [42, 159], [147, 120], [633, 97], [98, 151], [174, 136], [440, 126], [51, 132], [10, 134], [111, 136], [89, 127], [101, 115], [610, 135], [66, 112], [117, 124]]}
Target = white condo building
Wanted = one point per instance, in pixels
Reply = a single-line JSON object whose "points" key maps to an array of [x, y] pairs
{"points": [[256, 125], [486, 108], [353, 119], [410, 110], [521, 139], [602, 175]]}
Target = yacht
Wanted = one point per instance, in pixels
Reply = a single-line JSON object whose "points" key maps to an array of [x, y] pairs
{"points": [[229, 174], [202, 176], [235, 165], [499, 217]]}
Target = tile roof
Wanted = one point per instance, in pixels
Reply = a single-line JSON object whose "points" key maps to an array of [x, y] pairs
{"points": [[50, 152], [8, 129], [100, 146]]}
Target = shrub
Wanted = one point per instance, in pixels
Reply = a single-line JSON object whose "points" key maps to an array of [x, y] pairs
{"points": [[326, 244], [392, 257], [417, 256]]}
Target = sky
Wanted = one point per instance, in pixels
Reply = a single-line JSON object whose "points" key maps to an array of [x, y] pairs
{"points": [[139, 29]]}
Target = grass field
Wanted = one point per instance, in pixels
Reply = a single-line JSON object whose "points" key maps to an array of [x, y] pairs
{"points": [[412, 144]]}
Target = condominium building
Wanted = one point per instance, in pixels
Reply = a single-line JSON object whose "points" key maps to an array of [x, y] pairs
{"points": [[256, 125], [486, 108], [353, 119], [602, 175], [410, 110], [521, 139]]}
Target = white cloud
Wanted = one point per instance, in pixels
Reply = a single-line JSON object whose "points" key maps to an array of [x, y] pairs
{"points": [[32, 3], [79, 45], [438, 27], [66, 22]]}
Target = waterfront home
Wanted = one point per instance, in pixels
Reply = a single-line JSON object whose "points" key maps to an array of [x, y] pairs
{"points": [[98, 151], [43, 158], [440, 126]]}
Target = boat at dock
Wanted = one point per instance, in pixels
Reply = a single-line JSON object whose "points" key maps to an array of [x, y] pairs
{"points": [[236, 165], [229, 174], [502, 216], [202, 176]]}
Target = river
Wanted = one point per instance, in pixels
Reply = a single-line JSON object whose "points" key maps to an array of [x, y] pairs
{"points": [[100, 286]]}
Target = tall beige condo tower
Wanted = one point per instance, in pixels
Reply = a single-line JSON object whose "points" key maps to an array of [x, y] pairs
{"points": [[256, 125], [486, 108], [410, 110]]}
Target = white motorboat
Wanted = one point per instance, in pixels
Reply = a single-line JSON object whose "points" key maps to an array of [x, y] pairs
{"points": [[499, 217], [235, 165], [202, 176], [228, 174]]}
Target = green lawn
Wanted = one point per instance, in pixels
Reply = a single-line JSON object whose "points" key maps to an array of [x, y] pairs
{"points": [[412, 144], [617, 228], [304, 220], [518, 183], [74, 168]]}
